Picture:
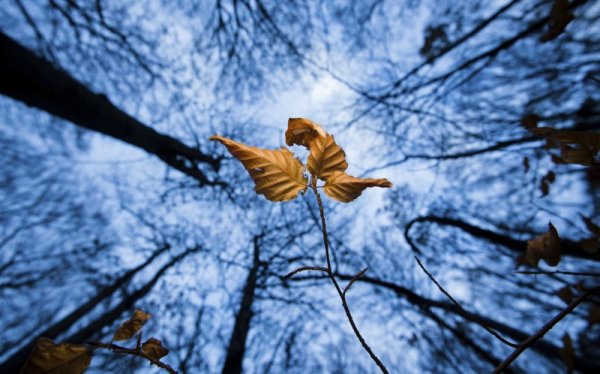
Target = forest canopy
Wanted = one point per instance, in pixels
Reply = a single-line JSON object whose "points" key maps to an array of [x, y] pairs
{"points": [[164, 167]]}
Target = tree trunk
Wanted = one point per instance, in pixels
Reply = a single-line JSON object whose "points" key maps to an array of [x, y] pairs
{"points": [[237, 342], [37, 83]]}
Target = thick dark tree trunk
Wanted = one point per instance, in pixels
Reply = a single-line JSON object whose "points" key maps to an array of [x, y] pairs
{"points": [[14, 363], [569, 248], [37, 83], [237, 342]]}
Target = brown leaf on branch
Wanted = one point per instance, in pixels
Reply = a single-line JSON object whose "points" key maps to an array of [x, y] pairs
{"points": [[345, 188], [581, 156], [277, 173], [546, 247], [302, 131], [130, 327], [64, 358], [576, 147], [581, 138], [560, 17], [326, 157], [154, 349], [280, 176]]}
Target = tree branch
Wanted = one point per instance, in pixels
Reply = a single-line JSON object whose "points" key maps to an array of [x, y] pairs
{"points": [[542, 331], [134, 352]]}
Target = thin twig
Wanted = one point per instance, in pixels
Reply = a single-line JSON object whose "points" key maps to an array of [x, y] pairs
{"points": [[341, 293], [541, 332], [480, 323], [134, 352], [354, 279], [304, 268]]}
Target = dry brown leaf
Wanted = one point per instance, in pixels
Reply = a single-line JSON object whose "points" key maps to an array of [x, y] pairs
{"points": [[565, 294], [582, 138], [302, 131], [345, 188], [277, 173], [130, 327], [326, 157], [576, 147], [581, 156], [154, 349], [546, 247], [64, 358], [560, 17], [567, 354]]}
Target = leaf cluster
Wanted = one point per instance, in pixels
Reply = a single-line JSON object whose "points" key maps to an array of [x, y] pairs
{"points": [[279, 176]]}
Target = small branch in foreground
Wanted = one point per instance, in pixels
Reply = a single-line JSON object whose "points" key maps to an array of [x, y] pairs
{"points": [[541, 332], [480, 323], [134, 352], [341, 293], [354, 279]]}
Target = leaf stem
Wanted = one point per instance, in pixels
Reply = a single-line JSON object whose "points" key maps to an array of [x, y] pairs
{"points": [[342, 294]]}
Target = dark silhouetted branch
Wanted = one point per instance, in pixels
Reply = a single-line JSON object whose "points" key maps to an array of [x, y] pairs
{"points": [[541, 332]]}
